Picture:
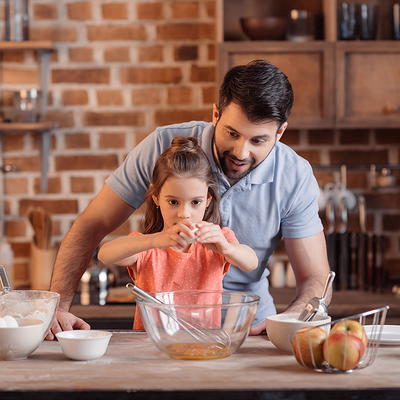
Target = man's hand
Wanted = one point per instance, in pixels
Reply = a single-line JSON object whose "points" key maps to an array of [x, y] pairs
{"points": [[66, 321]]}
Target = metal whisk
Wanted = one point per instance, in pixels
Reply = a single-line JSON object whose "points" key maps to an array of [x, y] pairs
{"points": [[220, 338]]}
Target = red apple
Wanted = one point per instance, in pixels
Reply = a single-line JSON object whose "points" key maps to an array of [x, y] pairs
{"points": [[351, 327], [307, 346], [342, 350]]}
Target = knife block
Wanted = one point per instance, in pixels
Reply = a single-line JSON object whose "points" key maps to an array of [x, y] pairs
{"points": [[42, 261]]}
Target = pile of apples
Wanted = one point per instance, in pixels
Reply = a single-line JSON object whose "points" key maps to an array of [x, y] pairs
{"points": [[342, 349]]}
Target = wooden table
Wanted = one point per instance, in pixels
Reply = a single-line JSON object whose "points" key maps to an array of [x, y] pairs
{"points": [[134, 368]]}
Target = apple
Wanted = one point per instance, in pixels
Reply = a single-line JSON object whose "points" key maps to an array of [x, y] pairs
{"points": [[307, 345], [342, 350], [353, 328]]}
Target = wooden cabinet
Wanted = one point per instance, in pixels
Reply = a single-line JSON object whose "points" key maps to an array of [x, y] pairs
{"points": [[337, 84], [367, 84], [309, 68]]}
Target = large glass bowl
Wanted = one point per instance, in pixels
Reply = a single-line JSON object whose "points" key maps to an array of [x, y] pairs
{"points": [[199, 324], [34, 312]]}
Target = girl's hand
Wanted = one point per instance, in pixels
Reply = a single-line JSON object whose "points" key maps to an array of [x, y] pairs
{"points": [[212, 237], [172, 237]]}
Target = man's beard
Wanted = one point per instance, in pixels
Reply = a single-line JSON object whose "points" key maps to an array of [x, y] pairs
{"points": [[232, 174]]}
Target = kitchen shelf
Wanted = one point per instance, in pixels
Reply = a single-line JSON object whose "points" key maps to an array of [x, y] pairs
{"points": [[44, 49]]}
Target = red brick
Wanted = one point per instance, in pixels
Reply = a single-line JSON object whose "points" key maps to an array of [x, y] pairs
{"points": [[183, 10], [186, 31], [116, 32], [114, 118], [391, 222], [53, 185], [312, 156], [387, 136], [151, 53], [179, 95], [77, 141], [13, 56], [62, 119], [151, 75], [291, 137], [110, 97], [151, 11], [210, 8], [86, 162], [354, 136], [202, 74], [116, 54], [12, 141], [44, 11], [80, 184], [186, 53], [209, 95], [21, 249], [21, 272], [63, 206], [54, 33], [112, 140], [80, 54], [321, 136], [84, 75], [23, 164], [166, 117], [14, 185], [211, 52], [81, 10], [114, 10], [146, 96], [356, 156], [74, 97], [20, 76]]}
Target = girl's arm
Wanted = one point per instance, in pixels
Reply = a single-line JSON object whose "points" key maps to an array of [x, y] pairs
{"points": [[123, 251], [237, 254]]}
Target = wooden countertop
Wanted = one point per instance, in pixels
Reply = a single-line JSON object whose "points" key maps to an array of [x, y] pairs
{"points": [[133, 364]]}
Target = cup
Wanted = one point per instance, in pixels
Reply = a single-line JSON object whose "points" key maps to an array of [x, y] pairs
{"points": [[347, 21], [27, 105], [396, 21], [368, 21], [300, 26]]}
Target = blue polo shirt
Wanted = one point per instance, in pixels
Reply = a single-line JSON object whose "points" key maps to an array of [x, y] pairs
{"points": [[276, 199]]}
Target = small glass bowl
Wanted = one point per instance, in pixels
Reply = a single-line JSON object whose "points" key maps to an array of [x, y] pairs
{"points": [[352, 343]]}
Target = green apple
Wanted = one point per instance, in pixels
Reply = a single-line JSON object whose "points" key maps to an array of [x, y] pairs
{"points": [[307, 346]]}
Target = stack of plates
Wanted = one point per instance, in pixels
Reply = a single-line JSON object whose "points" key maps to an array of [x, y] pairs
{"points": [[390, 334]]}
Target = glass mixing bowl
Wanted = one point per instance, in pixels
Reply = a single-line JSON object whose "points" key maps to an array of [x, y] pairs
{"points": [[199, 324], [33, 311]]}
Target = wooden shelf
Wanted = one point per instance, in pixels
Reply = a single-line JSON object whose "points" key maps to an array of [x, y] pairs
{"points": [[27, 45], [26, 126]]}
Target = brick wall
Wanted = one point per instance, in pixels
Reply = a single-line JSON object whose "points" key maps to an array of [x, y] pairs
{"points": [[120, 69]]}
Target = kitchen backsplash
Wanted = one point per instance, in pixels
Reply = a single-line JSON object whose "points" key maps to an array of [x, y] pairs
{"points": [[120, 69]]}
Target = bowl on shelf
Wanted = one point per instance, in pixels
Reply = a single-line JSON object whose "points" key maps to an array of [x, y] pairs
{"points": [[198, 324], [264, 28], [281, 328], [351, 343], [26, 316], [85, 344]]}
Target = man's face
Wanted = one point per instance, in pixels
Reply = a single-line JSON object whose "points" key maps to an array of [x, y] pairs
{"points": [[241, 144]]}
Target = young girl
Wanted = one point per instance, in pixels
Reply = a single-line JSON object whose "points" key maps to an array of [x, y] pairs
{"points": [[183, 246]]}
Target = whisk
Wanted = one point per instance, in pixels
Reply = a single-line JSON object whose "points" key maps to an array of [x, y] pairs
{"points": [[221, 338]]}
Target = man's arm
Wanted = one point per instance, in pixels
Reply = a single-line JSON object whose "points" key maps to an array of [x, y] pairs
{"points": [[311, 268], [104, 214]]}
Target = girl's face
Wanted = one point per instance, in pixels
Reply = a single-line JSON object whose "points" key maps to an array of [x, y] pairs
{"points": [[182, 199]]}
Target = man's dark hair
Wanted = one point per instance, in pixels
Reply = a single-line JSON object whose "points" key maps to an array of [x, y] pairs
{"points": [[261, 89]]}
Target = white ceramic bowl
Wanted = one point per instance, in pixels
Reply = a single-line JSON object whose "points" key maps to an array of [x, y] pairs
{"points": [[281, 327], [84, 345]]}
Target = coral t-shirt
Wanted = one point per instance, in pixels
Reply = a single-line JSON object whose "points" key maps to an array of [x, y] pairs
{"points": [[164, 270]]}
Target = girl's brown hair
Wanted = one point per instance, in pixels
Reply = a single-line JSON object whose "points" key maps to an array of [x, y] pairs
{"points": [[184, 158]]}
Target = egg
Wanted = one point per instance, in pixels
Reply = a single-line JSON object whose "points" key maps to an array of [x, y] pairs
{"points": [[2, 323], [10, 321]]}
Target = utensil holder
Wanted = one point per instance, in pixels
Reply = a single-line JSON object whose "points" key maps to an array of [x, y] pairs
{"points": [[42, 261]]}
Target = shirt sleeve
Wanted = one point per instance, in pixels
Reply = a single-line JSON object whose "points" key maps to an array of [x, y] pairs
{"points": [[301, 217]]}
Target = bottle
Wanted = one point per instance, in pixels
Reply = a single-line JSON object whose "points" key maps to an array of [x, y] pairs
{"points": [[17, 20]]}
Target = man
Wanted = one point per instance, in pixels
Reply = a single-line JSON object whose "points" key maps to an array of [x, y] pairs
{"points": [[267, 192]]}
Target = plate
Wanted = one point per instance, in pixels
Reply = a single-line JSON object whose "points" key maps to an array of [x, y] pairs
{"points": [[390, 334]]}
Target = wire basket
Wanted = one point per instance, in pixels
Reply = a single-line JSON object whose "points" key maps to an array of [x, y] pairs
{"points": [[343, 345]]}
